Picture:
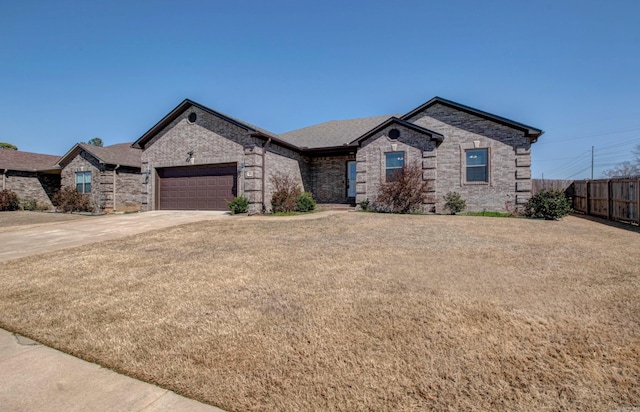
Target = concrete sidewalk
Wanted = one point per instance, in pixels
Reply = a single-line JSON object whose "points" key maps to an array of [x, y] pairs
{"points": [[34, 377], [21, 241]]}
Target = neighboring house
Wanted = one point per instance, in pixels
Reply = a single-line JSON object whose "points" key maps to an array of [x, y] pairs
{"points": [[198, 158], [30, 175], [109, 175]]}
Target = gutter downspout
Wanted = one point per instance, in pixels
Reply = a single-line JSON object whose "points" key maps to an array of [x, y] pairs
{"points": [[4, 179], [114, 187], [264, 169]]}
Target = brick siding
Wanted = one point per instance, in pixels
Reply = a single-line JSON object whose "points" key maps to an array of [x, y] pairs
{"points": [[128, 183], [32, 185]]}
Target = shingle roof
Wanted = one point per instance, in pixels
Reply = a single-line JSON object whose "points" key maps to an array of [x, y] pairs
{"points": [[118, 154], [332, 133], [26, 161]]}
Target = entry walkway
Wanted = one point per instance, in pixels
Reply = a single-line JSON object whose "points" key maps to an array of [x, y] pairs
{"points": [[37, 378]]}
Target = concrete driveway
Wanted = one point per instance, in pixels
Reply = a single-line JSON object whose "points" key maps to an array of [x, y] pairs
{"points": [[21, 241]]}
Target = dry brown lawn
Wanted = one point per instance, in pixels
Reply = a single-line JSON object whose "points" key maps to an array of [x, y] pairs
{"points": [[23, 218], [354, 311]]}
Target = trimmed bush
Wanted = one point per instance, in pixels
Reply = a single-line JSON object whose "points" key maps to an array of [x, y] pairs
{"points": [[454, 203], [239, 204], [29, 204], [364, 205], [69, 200], [548, 205], [403, 194], [9, 200], [305, 202]]}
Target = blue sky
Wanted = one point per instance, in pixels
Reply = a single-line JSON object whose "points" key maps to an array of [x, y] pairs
{"points": [[73, 70]]}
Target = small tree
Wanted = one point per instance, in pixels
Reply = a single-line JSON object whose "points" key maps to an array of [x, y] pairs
{"points": [[454, 203], [69, 200], [404, 193], [9, 146], [9, 200], [96, 141], [285, 194], [548, 205]]}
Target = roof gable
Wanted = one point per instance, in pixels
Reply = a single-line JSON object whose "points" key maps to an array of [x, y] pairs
{"points": [[184, 106], [394, 120], [531, 132], [27, 161], [122, 154]]}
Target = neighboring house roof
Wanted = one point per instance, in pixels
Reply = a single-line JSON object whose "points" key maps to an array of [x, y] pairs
{"points": [[118, 154], [332, 133], [186, 104], [394, 120], [26, 161], [531, 132]]}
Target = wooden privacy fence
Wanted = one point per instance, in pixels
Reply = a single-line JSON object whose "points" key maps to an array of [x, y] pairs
{"points": [[615, 199], [538, 185]]}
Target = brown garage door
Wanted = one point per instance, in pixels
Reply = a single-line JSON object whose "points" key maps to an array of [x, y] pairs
{"points": [[206, 187]]}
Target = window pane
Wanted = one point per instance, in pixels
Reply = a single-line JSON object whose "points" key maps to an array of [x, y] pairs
{"points": [[392, 174], [477, 157], [79, 178], [395, 160], [87, 187], [477, 174], [79, 187]]}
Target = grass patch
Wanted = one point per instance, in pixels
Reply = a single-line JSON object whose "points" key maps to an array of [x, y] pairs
{"points": [[354, 311], [487, 213]]}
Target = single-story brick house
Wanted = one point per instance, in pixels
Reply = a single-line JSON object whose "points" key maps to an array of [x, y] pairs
{"points": [[110, 175], [30, 175], [198, 158]]}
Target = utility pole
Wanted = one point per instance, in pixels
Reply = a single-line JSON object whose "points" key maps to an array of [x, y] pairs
{"points": [[591, 162]]}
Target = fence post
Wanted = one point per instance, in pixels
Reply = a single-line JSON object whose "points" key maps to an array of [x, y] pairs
{"points": [[588, 184], [609, 199]]}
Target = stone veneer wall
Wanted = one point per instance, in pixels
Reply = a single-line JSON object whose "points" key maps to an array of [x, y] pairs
{"points": [[280, 160], [509, 185], [32, 185], [128, 189], [418, 149]]}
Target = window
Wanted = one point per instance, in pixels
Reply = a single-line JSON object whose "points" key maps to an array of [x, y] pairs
{"points": [[83, 182], [477, 165], [394, 164]]}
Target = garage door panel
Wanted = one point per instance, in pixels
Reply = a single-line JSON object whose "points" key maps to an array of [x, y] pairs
{"points": [[197, 187]]}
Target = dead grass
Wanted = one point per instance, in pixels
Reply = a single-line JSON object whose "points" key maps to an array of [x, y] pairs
{"points": [[24, 218], [355, 311]]}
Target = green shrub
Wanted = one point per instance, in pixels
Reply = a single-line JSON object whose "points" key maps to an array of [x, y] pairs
{"points": [[286, 193], [364, 205], [454, 203], [29, 204], [548, 205], [9, 200], [239, 204], [69, 200], [403, 194], [305, 202]]}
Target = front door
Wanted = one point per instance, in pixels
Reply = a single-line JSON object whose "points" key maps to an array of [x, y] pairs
{"points": [[351, 179]]}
